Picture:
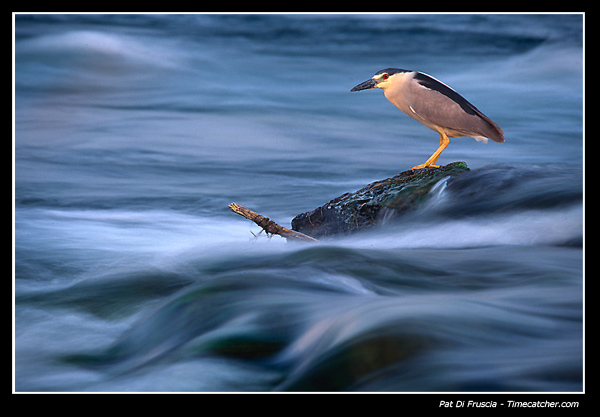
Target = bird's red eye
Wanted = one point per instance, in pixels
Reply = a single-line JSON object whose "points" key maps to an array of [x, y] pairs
{"points": [[385, 76]]}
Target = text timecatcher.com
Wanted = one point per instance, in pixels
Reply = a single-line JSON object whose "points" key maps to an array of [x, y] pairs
{"points": [[508, 404]]}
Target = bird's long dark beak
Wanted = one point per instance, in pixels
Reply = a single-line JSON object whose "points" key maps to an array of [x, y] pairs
{"points": [[366, 85]]}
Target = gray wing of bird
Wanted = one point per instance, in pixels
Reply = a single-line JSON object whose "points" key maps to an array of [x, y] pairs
{"points": [[451, 110]]}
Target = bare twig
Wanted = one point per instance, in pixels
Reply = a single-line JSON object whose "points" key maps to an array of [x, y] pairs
{"points": [[270, 226]]}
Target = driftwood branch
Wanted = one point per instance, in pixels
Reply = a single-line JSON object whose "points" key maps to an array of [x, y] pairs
{"points": [[270, 226]]}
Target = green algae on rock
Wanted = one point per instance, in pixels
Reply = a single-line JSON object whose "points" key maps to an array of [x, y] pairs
{"points": [[356, 211]]}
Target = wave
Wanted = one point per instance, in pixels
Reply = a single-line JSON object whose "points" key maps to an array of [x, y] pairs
{"points": [[282, 316], [96, 46], [534, 227]]}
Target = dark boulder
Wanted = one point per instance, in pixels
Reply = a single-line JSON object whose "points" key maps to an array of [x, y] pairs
{"points": [[356, 211]]}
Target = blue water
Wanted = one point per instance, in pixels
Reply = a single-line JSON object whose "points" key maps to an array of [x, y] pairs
{"points": [[133, 133]]}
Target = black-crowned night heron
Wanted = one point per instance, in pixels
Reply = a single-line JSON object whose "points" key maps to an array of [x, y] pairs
{"points": [[434, 104]]}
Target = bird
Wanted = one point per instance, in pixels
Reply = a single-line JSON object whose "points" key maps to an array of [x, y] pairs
{"points": [[435, 105]]}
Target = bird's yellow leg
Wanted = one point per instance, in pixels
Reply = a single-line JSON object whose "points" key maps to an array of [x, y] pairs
{"points": [[444, 141]]}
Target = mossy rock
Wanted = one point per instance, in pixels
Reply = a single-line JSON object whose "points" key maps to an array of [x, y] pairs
{"points": [[356, 211]]}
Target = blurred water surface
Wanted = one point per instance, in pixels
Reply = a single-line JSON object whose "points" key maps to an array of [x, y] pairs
{"points": [[134, 132]]}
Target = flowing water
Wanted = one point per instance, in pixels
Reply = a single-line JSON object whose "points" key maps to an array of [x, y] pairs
{"points": [[133, 133]]}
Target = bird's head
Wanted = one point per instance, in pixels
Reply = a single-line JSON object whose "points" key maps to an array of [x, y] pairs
{"points": [[382, 79]]}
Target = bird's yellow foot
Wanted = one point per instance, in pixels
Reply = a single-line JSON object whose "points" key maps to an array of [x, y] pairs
{"points": [[425, 166]]}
